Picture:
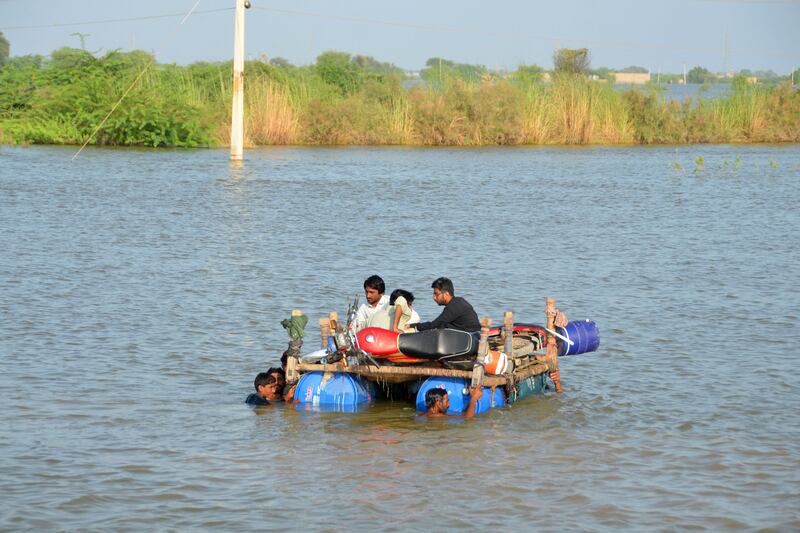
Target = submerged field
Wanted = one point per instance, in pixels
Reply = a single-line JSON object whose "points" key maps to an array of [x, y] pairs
{"points": [[64, 98]]}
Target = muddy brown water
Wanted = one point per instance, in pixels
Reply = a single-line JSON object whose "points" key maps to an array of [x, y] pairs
{"points": [[140, 292]]}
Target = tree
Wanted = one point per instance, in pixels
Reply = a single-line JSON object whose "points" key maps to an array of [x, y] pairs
{"points": [[604, 73], [279, 62], [796, 76], [572, 60], [529, 74], [700, 75], [5, 48], [635, 69], [438, 69], [335, 68]]}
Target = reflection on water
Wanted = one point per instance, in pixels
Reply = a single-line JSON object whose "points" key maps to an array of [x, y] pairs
{"points": [[141, 291]]}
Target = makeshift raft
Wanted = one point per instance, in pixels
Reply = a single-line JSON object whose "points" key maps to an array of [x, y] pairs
{"points": [[354, 381]]}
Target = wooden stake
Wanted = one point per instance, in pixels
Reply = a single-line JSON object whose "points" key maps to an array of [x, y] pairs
{"points": [[483, 344], [508, 333], [291, 370], [552, 347], [324, 330], [483, 349], [237, 107]]}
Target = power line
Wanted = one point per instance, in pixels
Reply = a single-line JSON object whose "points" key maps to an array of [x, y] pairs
{"points": [[502, 35], [135, 81], [106, 21]]}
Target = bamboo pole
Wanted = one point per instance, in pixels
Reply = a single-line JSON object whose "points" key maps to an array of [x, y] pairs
{"points": [[508, 333], [483, 349], [292, 360], [291, 369], [552, 347], [413, 372], [324, 330], [483, 344]]}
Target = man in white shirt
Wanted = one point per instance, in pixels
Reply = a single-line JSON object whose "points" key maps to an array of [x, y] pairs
{"points": [[374, 289]]}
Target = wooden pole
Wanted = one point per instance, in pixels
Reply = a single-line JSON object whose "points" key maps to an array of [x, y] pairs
{"points": [[552, 347], [483, 344], [483, 349], [292, 360], [508, 333], [408, 373], [324, 330], [237, 107], [291, 369]]}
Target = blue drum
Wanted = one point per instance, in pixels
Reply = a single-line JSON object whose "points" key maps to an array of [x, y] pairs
{"points": [[333, 391], [584, 335], [458, 393]]}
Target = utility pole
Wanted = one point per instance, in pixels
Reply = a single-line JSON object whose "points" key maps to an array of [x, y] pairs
{"points": [[237, 109]]}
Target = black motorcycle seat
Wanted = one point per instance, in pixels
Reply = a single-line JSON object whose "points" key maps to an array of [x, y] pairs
{"points": [[436, 344]]}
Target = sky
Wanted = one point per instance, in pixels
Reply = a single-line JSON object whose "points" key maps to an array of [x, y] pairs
{"points": [[661, 36]]}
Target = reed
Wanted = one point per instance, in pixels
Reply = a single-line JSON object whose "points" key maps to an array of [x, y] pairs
{"points": [[270, 115], [62, 100]]}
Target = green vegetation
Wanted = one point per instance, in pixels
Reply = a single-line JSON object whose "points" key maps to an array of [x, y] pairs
{"points": [[700, 75], [441, 71], [572, 60], [343, 99], [5, 48]]}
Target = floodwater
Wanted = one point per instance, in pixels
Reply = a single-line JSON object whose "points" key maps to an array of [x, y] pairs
{"points": [[141, 291]]}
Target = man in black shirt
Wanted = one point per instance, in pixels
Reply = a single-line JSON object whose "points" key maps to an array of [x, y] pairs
{"points": [[457, 314], [266, 386]]}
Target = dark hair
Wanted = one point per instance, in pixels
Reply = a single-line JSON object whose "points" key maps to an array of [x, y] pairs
{"points": [[276, 370], [263, 379], [444, 285], [433, 396], [398, 293], [375, 282]]}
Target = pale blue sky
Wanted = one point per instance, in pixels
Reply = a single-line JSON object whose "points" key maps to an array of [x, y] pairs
{"points": [[761, 34]]}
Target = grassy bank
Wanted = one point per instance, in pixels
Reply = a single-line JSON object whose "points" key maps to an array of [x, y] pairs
{"points": [[342, 100]]}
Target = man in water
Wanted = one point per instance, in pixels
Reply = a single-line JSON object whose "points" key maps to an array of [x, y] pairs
{"points": [[266, 387], [280, 383], [438, 402], [457, 314], [374, 289]]}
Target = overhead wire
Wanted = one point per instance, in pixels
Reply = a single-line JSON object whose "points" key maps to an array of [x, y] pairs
{"points": [[135, 81], [107, 21], [494, 34]]}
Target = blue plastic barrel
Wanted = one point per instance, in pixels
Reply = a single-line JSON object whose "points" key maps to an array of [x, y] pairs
{"points": [[527, 387], [458, 393], [336, 391], [584, 335]]}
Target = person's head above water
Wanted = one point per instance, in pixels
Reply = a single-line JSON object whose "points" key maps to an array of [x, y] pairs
{"points": [[374, 287], [265, 384], [280, 381], [436, 401], [397, 293], [443, 291]]}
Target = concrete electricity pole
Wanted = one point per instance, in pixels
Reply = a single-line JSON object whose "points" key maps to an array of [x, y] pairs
{"points": [[237, 109]]}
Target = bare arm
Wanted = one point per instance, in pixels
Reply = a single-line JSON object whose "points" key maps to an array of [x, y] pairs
{"points": [[398, 314], [475, 394]]}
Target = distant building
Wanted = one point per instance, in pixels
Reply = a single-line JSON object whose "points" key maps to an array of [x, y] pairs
{"points": [[633, 78], [751, 80]]}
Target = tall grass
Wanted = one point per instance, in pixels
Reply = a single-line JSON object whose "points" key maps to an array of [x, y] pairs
{"points": [[62, 100]]}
